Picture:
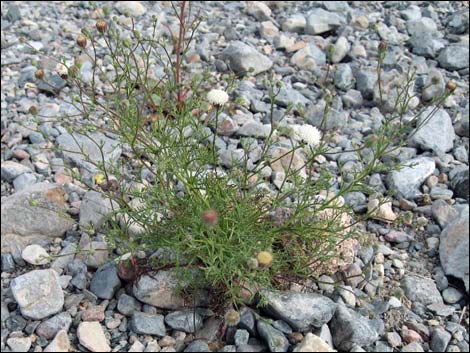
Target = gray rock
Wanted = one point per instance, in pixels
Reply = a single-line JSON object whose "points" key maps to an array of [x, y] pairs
{"points": [[460, 154], [131, 8], [37, 212], [197, 346], [36, 138], [79, 149], [105, 282], [19, 344], [295, 23], [454, 57], [282, 326], [341, 49], [274, 338], [435, 132], [460, 183], [248, 321], [452, 295], [241, 58], [309, 57], [439, 340], [454, 248], [413, 347], [23, 181], [349, 329], [8, 264], [440, 309], [127, 305], [434, 86], [300, 310], [443, 213], [94, 209], [188, 321], [49, 328], [288, 95], [426, 44], [11, 170], [258, 10], [408, 180], [148, 324], [228, 348], [441, 193], [241, 337], [254, 129], [412, 13], [210, 331], [421, 290], [365, 82], [38, 293], [344, 77], [421, 25], [458, 22], [352, 99], [321, 21]]}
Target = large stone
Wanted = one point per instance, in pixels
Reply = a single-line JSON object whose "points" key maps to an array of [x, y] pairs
{"points": [[301, 311], [435, 132], [406, 182], [94, 209], [60, 343], [454, 57], [38, 293], [309, 57], [50, 327], [460, 183], [10, 170], [350, 329], [91, 336], [159, 290], [258, 10], [131, 8], [275, 339], [295, 23], [454, 245], [86, 151], [321, 21], [34, 214], [421, 290], [240, 57]]}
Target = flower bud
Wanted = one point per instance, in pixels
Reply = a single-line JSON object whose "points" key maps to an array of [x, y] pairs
{"points": [[232, 318], [39, 74], [210, 217], [81, 41], [383, 45], [101, 26], [451, 86], [265, 259]]}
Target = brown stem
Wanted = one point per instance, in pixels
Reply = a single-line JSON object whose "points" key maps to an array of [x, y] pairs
{"points": [[179, 45]]}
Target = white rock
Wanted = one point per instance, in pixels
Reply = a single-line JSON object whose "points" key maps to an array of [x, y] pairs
{"points": [[342, 48], [35, 255], [60, 343], [19, 344], [91, 336], [312, 343], [383, 212], [131, 8]]}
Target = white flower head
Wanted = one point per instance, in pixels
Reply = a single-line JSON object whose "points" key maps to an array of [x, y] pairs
{"points": [[307, 133], [61, 70], [217, 97]]}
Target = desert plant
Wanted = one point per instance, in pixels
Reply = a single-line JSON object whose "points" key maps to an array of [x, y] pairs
{"points": [[224, 225]]}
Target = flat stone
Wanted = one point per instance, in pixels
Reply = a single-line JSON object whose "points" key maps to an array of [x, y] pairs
{"points": [[241, 58], [60, 343], [439, 340], [454, 57], [35, 255], [94, 210], [38, 293], [436, 133], [313, 343], [91, 336], [443, 213], [105, 282], [10, 170], [23, 181], [300, 310], [35, 213], [148, 324], [295, 23], [421, 290], [321, 21]]}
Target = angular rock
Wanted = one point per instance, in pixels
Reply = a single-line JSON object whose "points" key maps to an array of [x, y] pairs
{"points": [[94, 209], [35, 213], [148, 324], [79, 148], [300, 310], [454, 57], [60, 343], [321, 21], [436, 132], [408, 180], [275, 339], [439, 340], [197, 346], [188, 321], [49, 328], [258, 10], [309, 57], [443, 213], [38, 293], [127, 305], [313, 343], [10, 170], [296, 24], [349, 329], [91, 336], [421, 290], [460, 183], [131, 8], [19, 344], [35, 255], [454, 248], [241, 58], [254, 129], [105, 282]]}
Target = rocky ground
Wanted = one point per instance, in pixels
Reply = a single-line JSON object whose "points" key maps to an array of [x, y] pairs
{"points": [[406, 291]]}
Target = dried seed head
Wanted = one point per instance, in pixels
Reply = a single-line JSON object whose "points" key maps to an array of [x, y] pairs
{"points": [[232, 318], [101, 26], [383, 45], [451, 86], [252, 263], [39, 74], [210, 217], [81, 41], [265, 259], [61, 71]]}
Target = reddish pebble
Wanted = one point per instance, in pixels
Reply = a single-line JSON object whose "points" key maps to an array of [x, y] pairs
{"points": [[410, 336], [94, 313], [20, 154]]}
